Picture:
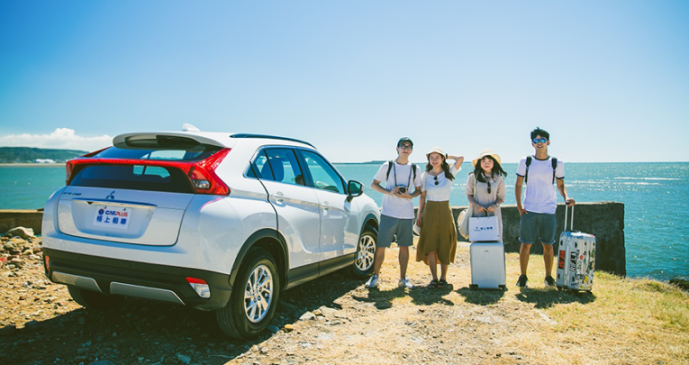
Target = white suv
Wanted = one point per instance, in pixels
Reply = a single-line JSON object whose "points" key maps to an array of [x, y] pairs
{"points": [[209, 220]]}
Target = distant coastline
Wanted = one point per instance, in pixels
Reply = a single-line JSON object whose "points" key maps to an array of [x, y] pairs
{"points": [[32, 164]]}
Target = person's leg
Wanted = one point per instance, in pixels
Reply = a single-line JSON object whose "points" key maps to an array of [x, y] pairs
{"points": [[405, 239], [404, 261], [548, 224], [524, 253], [385, 233], [378, 260], [443, 271], [527, 233], [433, 264]]}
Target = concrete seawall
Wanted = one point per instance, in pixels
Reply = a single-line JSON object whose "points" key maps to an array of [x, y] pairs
{"points": [[605, 220]]}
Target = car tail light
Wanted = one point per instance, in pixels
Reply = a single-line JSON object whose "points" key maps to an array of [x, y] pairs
{"points": [[201, 174], [200, 287], [69, 167], [46, 261]]}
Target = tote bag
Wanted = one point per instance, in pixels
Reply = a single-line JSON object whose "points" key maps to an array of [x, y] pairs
{"points": [[463, 221], [483, 229]]}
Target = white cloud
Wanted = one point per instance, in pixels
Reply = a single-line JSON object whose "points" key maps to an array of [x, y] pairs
{"points": [[61, 138]]}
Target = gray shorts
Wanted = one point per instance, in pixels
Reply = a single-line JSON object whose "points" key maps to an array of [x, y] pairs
{"points": [[537, 225], [390, 227]]}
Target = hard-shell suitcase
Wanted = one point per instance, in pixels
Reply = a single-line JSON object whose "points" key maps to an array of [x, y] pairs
{"points": [[576, 258], [487, 265]]}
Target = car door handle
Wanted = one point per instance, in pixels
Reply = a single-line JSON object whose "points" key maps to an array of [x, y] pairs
{"points": [[326, 205], [279, 197]]}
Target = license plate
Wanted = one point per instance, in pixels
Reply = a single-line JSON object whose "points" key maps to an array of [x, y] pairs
{"points": [[113, 217]]}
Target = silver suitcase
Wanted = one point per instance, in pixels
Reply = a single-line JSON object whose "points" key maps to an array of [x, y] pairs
{"points": [[576, 258], [487, 265]]}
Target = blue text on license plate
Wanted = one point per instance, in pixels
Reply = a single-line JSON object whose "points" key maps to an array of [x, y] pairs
{"points": [[113, 217]]}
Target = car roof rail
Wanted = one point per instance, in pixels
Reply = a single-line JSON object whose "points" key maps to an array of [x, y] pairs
{"points": [[249, 135]]}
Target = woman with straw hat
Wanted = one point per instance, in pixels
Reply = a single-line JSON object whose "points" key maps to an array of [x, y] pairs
{"points": [[438, 238], [485, 188]]}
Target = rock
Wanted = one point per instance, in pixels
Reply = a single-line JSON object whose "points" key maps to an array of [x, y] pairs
{"points": [[307, 316], [289, 327], [264, 350], [184, 359], [273, 329], [21, 232]]}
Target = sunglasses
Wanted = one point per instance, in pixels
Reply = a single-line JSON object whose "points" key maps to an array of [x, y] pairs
{"points": [[488, 182], [436, 179], [539, 140]]}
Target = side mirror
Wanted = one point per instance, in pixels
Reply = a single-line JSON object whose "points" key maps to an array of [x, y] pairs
{"points": [[354, 189]]}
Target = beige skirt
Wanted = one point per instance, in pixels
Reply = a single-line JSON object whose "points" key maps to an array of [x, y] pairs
{"points": [[438, 233]]}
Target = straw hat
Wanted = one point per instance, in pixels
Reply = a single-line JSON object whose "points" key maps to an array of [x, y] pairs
{"points": [[437, 150], [484, 153]]}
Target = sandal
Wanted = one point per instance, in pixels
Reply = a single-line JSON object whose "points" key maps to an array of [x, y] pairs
{"points": [[433, 284], [442, 283]]}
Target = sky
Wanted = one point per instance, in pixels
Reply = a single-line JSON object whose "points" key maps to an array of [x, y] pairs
{"points": [[609, 79]]}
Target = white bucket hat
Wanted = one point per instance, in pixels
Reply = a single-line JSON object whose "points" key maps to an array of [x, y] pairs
{"points": [[437, 150], [484, 153]]}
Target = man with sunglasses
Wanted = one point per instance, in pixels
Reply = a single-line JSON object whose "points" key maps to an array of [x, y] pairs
{"points": [[544, 177], [397, 212]]}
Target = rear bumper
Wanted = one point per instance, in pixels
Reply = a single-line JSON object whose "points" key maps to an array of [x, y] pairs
{"points": [[136, 279]]}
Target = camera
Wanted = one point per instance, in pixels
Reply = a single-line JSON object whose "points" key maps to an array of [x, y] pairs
{"points": [[402, 189]]}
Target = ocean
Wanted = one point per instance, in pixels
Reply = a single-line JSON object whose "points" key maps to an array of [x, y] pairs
{"points": [[655, 196]]}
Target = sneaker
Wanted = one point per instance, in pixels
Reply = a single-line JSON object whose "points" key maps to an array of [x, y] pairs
{"points": [[549, 281], [372, 282], [522, 281], [405, 283]]}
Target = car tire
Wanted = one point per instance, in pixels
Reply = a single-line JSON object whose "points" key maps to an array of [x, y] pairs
{"points": [[92, 300], [365, 253], [254, 297]]}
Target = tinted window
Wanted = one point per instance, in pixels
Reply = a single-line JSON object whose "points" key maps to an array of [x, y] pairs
{"points": [[173, 153], [324, 176], [136, 177], [282, 166]]}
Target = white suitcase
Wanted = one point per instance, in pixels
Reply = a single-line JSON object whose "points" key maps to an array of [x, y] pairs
{"points": [[576, 259], [487, 265]]}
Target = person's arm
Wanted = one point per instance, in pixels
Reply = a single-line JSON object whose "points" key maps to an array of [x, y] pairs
{"points": [[470, 194], [500, 195], [422, 204], [375, 185], [518, 194], [563, 191], [458, 160]]}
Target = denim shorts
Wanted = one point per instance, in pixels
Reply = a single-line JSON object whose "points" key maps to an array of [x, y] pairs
{"points": [[537, 225], [390, 227]]}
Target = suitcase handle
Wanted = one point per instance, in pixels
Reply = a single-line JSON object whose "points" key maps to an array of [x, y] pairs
{"points": [[571, 223]]}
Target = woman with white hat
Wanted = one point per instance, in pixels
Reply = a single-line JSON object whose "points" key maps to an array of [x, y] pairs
{"points": [[438, 238], [485, 188]]}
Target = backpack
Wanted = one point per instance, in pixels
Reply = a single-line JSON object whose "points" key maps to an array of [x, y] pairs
{"points": [[392, 163], [528, 162]]}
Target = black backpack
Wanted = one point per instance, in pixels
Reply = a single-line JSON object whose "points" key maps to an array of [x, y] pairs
{"points": [[528, 162]]}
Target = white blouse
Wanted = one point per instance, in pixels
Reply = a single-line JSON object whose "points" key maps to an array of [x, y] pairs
{"points": [[441, 191]]}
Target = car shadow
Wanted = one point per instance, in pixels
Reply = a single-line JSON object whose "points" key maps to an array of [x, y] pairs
{"points": [[140, 331]]}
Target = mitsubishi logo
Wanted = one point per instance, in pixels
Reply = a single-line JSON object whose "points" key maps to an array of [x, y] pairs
{"points": [[111, 196]]}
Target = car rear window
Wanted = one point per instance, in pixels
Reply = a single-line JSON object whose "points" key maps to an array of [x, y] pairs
{"points": [[194, 153], [136, 177]]}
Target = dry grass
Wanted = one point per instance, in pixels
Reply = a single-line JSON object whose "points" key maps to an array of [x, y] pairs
{"points": [[622, 322]]}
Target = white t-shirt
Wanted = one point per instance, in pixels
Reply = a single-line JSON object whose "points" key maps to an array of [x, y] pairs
{"points": [[394, 206], [541, 191], [441, 191]]}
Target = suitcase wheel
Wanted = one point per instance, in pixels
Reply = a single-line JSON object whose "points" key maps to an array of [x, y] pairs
{"points": [[473, 286], [502, 287]]}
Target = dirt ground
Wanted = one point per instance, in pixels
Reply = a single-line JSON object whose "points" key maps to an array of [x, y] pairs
{"points": [[331, 320]]}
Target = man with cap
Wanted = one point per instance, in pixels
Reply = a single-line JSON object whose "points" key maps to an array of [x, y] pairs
{"points": [[544, 177], [397, 212]]}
